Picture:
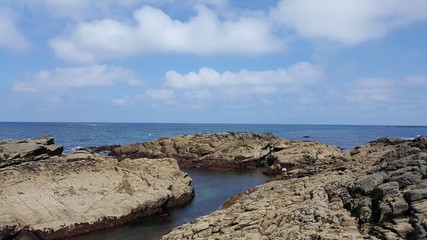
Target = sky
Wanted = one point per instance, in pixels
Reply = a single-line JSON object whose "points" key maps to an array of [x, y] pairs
{"points": [[214, 61]]}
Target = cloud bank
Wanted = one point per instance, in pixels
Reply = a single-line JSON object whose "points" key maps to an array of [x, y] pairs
{"points": [[347, 21], [152, 30], [301, 73]]}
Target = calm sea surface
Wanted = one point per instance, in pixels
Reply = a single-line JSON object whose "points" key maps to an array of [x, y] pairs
{"points": [[73, 135], [212, 187]]}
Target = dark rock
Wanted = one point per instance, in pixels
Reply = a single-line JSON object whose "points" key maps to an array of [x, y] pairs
{"points": [[366, 184], [385, 190], [26, 234], [54, 150], [406, 176]]}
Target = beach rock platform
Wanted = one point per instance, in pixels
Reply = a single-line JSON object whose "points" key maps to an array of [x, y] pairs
{"points": [[376, 191], [46, 195], [232, 150]]}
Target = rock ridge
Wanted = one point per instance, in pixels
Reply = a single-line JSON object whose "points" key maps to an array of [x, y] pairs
{"points": [[228, 150]]}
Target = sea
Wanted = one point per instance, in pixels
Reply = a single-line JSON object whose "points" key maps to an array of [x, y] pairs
{"points": [[208, 184]]}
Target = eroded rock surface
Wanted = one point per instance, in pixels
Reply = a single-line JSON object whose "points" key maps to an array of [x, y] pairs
{"points": [[376, 191], [233, 150], [59, 196], [17, 151]]}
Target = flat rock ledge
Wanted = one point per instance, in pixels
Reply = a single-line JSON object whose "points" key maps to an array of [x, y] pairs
{"points": [[374, 191], [45, 195], [232, 150]]}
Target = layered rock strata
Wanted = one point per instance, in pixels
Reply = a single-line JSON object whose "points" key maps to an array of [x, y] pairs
{"points": [[232, 150], [375, 191], [52, 197]]}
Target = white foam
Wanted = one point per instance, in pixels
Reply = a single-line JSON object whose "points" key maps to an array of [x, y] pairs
{"points": [[76, 148], [407, 138]]}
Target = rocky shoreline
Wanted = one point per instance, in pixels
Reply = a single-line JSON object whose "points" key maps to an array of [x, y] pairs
{"points": [[374, 191], [46, 195], [229, 150]]}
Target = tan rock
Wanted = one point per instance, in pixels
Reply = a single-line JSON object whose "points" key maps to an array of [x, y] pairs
{"points": [[64, 195]]}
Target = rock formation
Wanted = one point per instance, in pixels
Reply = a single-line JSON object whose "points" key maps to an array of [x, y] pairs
{"points": [[375, 191], [47, 195], [232, 150]]}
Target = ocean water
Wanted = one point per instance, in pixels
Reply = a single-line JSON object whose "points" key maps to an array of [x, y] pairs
{"points": [[213, 188], [73, 135]]}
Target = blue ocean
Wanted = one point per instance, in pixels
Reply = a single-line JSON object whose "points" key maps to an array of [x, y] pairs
{"points": [[208, 184], [74, 135]]}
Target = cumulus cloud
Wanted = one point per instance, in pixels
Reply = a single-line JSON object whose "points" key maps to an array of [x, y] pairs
{"points": [[347, 21], [76, 77], [302, 73], [10, 36], [154, 31]]}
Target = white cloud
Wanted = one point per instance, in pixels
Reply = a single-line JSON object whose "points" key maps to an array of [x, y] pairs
{"points": [[10, 35], [76, 77], [155, 31], [202, 94], [348, 21], [123, 101], [302, 73], [160, 94], [371, 91]]}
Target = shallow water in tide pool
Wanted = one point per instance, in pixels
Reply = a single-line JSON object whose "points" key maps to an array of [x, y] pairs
{"points": [[212, 188]]}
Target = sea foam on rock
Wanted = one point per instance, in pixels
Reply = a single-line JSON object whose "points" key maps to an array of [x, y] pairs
{"points": [[52, 196]]}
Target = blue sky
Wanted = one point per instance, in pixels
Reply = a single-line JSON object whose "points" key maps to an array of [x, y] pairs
{"points": [[214, 61]]}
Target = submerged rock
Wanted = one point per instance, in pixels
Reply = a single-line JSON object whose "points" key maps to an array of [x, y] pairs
{"points": [[63, 195]]}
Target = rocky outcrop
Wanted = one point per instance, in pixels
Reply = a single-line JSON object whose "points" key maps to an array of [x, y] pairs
{"points": [[233, 150], [298, 208], [59, 196], [376, 191], [18, 151]]}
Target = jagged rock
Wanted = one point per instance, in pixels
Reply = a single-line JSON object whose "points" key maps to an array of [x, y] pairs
{"points": [[375, 191], [365, 184], [298, 208], [60, 196], [235, 150], [17, 151]]}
